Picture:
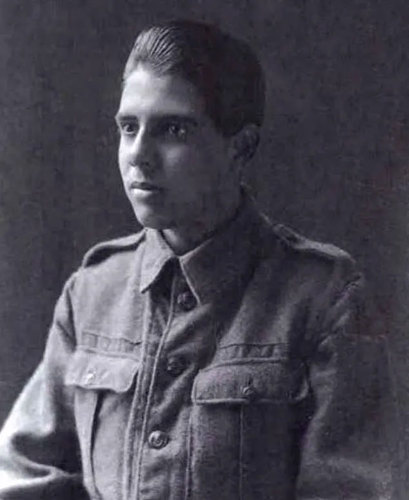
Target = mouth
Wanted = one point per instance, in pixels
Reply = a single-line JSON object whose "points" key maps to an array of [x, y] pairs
{"points": [[144, 186]]}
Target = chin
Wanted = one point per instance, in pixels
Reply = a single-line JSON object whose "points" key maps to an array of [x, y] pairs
{"points": [[148, 218]]}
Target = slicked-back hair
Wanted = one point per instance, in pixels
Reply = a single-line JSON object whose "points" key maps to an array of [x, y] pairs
{"points": [[223, 69]]}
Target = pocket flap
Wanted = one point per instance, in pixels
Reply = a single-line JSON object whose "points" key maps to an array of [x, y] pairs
{"points": [[250, 382], [91, 370]]}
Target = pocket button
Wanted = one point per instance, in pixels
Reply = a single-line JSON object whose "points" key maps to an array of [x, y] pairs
{"points": [[249, 392], [89, 377]]}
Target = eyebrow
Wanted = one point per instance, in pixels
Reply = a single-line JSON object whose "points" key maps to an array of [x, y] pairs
{"points": [[184, 118]]}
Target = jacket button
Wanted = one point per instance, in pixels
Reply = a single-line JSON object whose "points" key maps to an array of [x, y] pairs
{"points": [[186, 301], [158, 439], [249, 392], [175, 365]]}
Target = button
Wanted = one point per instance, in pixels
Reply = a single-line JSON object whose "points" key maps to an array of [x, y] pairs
{"points": [[89, 377], [249, 392], [158, 439], [186, 301], [104, 343], [175, 365]]}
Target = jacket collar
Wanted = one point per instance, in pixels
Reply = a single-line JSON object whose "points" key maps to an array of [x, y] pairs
{"points": [[220, 262]]}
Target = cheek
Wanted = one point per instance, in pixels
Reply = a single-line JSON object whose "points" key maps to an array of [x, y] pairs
{"points": [[124, 174], [176, 162], [188, 165], [122, 159], [121, 152]]}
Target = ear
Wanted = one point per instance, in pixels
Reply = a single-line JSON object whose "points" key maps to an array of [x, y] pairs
{"points": [[244, 143]]}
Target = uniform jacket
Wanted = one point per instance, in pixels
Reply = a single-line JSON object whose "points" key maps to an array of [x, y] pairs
{"points": [[242, 370]]}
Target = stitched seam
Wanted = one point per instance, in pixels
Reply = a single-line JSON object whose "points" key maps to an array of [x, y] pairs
{"points": [[355, 282], [188, 471], [151, 387], [321, 333], [109, 354], [129, 455], [221, 346], [240, 401], [105, 336], [89, 438], [244, 361], [241, 453]]}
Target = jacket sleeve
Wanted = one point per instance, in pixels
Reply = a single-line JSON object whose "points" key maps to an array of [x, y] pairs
{"points": [[348, 446], [39, 456]]}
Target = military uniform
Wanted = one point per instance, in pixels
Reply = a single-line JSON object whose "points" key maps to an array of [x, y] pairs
{"points": [[239, 370]]}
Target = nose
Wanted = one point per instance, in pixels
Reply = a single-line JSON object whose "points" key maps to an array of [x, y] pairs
{"points": [[141, 151]]}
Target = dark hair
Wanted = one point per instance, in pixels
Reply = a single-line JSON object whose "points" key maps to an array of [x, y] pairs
{"points": [[224, 70]]}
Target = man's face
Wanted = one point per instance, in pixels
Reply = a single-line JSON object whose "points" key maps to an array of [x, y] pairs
{"points": [[176, 167]]}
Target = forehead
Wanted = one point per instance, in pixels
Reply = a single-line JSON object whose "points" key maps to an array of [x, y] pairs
{"points": [[146, 93]]}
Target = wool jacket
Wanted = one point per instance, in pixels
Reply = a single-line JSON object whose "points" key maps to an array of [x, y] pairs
{"points": [[242, 370]]}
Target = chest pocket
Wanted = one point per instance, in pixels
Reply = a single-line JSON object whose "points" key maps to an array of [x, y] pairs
{"points": [[97, 371], [251, 381], [242, 427], [103, 389]]}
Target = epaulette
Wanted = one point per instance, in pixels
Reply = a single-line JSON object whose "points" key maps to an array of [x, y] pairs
{"points": [[103, 250], [300, 243]]}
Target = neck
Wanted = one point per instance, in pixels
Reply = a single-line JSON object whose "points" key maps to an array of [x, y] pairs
{"points": [[185, 238]]}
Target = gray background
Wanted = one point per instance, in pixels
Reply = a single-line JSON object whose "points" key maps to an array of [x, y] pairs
{"points": [[333, 162]]}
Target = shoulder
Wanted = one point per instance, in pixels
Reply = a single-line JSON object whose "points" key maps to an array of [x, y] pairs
{"points": [[108, 249], [295, 242], [315, 260], [327, 275]]}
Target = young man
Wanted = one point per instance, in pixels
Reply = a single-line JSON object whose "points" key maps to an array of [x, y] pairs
{"points": [[213, 354]]}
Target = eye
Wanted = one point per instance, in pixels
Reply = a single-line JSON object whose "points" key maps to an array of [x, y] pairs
{"points": [[176, 130], [128, 128]]}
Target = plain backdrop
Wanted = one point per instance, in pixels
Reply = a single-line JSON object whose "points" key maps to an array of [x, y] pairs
{"points": [[333, 162]]}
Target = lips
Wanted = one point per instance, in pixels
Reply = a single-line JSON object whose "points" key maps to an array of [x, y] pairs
{"points": [[144, 186]]}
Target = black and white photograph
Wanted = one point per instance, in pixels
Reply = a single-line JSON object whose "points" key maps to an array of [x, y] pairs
{"points": [[204, 237]]}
